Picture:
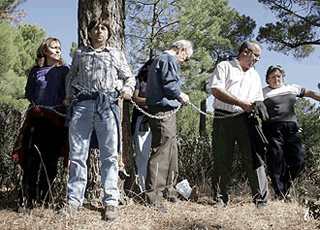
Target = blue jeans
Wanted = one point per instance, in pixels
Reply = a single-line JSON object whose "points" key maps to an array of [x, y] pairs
{"points": [[142, 141], [84, 120]]}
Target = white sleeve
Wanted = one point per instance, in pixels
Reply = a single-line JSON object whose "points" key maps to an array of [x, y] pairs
{"points": [[218, 77]]}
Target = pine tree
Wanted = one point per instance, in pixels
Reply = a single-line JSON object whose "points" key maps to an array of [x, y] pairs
{"points": [[297, 28]]}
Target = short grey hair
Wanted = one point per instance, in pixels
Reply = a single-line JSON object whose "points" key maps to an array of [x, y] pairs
{"points": [[183, 44]]}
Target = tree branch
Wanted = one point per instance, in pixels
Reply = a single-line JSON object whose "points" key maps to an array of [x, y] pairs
{"points": [[281, 7]]}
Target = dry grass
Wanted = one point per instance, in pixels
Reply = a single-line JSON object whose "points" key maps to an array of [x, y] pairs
{"points": [[238, 215]]}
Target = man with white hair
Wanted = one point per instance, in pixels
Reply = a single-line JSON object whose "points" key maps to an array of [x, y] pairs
{"points": [[164, 96]]}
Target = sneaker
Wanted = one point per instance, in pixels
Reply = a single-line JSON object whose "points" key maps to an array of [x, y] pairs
{"points": [[219, 204], [159, 206], [262, 205], [111, 213]]}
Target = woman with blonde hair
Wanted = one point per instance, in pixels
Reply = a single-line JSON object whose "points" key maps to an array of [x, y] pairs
{"points": [[43, 136]]}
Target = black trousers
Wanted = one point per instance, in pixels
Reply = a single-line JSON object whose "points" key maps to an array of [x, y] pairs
{"points": [[225, 132], [49, 139], [285, 156], [162, 169]]}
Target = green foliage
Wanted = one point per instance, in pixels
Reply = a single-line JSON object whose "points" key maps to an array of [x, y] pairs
{"points": [[73, 48], [11, 85], [297, 30], [184, 123], [12, 90], [8, 48], [188, 118], [18, 47], [31, 38], [308, 119], [195, 158]]}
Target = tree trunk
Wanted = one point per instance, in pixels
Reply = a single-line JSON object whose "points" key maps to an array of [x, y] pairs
{"points": [[114, 12]]}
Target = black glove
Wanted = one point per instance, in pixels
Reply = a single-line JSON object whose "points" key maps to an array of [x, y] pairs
{"points": [[261, 110]]}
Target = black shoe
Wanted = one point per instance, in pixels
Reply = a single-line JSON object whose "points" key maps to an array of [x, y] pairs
{"points": [[262, 205], [21, 210], [159, 206], [24, 208], [289, 199], [219, 204]]}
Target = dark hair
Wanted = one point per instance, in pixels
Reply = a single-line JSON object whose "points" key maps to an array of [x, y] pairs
{"points": [[103, 22], [273, 68], [143, 71], [41, 53], [248, 45]]}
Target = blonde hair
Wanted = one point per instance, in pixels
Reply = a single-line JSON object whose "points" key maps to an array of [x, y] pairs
{"points": [[41, 53]]}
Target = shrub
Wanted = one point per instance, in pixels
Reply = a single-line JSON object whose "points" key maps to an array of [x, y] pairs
{"points": [[195, 158], [10, 121]]}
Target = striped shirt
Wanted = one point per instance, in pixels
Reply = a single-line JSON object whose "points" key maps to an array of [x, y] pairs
{"points": [[280, 102], [99, 71], [245, 86]]}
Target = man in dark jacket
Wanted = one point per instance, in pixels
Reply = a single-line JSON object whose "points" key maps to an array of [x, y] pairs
{"points": [[163, 97]]}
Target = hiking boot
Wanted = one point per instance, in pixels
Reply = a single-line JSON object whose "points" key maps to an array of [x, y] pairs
{"points": [[111, 213]]}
